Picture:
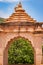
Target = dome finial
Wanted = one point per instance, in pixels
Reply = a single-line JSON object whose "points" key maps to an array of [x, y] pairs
{"points": [[20, 3], [19, 8]]}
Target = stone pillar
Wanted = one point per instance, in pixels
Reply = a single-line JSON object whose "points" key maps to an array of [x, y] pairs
{"points": [[5, 57], [1, 60], [38, 57], [1, 56], [38, 49]]}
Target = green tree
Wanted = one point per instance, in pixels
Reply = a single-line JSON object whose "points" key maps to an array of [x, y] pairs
{"points": [[20, 51], [1, 20]]}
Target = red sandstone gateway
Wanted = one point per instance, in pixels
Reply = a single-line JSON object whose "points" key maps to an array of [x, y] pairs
{"points": [[20, 24]]}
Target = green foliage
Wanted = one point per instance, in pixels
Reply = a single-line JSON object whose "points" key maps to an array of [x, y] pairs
{"points": [[20, 52], [1, 20]]}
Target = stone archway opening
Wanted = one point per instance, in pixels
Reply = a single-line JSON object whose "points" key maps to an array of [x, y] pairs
{"points": [[28, 57]]}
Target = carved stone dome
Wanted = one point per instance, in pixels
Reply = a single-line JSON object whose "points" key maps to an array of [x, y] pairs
{"points": [[20, 15]]}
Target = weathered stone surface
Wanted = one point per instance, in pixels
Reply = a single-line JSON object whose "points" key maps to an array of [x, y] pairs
{"points": [[24, 27]]}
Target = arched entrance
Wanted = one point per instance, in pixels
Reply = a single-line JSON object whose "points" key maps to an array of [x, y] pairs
{"points": [[7, 38], [20, 51], [7, 48]]}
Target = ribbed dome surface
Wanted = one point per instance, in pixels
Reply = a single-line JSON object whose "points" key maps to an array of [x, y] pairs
{"points": [[20, 15]]}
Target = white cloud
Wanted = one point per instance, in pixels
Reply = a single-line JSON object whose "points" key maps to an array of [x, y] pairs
{"points": [[11, 0], [3, 14], [7, 13], [1, 0]]}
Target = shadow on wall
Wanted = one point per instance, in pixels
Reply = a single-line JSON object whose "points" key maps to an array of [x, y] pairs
{"points": [[42, 58], [42, 54]]}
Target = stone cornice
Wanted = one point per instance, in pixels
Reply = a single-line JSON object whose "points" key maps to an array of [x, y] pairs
{"points": [[36, 28]]}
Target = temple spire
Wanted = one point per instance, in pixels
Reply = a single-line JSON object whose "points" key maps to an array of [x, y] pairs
{"points": [[19, 8], [20, 4], [19, 1], [20, 15]]}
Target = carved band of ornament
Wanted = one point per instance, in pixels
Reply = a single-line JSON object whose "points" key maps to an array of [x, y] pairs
{"points": [[19, 23], [31, 27], [22, 30]]}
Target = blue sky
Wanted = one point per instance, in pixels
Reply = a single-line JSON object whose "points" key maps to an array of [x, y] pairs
{"points": [[33, 7]]}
